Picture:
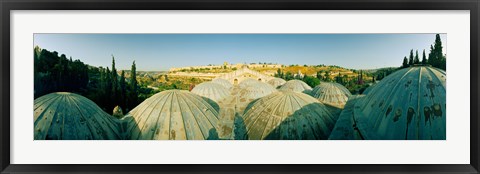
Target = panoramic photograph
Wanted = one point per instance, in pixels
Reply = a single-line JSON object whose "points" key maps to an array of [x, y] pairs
{"points": [[239, 86]]}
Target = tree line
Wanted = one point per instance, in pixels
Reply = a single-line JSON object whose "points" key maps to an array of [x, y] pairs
{"points": [[436, 58], [104, 86]]}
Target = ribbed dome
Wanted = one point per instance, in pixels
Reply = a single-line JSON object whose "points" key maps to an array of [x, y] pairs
{"points": [[223, 82], [248, 82], [287, 115], [408, 104], [296, 86], [345, 126], [276, 82], [366, 91], [255, 90], [331, 93], [211, 90], [173, 115], [69, 116]]}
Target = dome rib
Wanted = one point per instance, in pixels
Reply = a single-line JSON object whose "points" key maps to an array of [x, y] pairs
{"points": [[204, 105], [144, 110], [414, 108], [197, 124], [176, 114], [287, 115], [331, 93], [296, 86], [63, 115], [213, 91]]}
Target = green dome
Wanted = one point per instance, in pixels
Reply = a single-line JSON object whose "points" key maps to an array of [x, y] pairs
{"points": [[287, 115], [296, 86], [331, 93], [69, 116], [408, 104], [276, 82], [172, 115], [213, 91]]}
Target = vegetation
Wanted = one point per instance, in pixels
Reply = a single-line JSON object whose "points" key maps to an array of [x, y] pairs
{"points": [[54, 73], [436, 58]]}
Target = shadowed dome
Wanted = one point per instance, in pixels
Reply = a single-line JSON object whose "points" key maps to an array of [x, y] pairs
{"points": [[69, 116], [408, 104], [223, 82], [172, 115], [366, 91], [276, 82], [331, 93], [287, 115], [211, 90], [345, 128], [296, 86]]}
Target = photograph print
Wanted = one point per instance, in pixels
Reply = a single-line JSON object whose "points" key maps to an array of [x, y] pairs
{"points": [[239, 86]]}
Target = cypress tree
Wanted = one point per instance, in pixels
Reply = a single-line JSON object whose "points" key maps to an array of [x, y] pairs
{"points": [[133, 87], [405, 62], [416, 61], [123, 90], [108, 91], [424, 59], [410, 60], [115, 85]]}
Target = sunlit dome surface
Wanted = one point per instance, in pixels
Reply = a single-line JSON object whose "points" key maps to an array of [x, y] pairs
{"points": [[248, 82], [287, 115], [172, 115], [296, 86], [211, 90], [254, 90], [276, 82], [69, 116], [223, 82], [408, 104], [331, 93]]}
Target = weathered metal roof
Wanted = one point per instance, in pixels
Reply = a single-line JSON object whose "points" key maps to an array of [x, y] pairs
{"points": [[211, 90], [408, 104], [345, 128], [296, 86], [172, 115], [223, 82], [247, 82], [331, 93], [253, 90], [287, 115], [368, 89], [276, 82], [69, 116]]}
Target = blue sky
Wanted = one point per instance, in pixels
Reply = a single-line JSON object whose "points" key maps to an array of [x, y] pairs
{"points": [[163, 51]]}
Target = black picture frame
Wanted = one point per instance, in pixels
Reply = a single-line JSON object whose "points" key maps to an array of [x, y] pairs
{"points": [[9, 5]]}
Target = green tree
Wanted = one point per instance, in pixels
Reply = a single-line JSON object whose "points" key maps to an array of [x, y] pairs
{"points": [[123, 90], [115, 93], [319, 75], [410, 60], [416, 61], [311, 81], [405, 62], [327, 76], [424, 59], [133, 97]]}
